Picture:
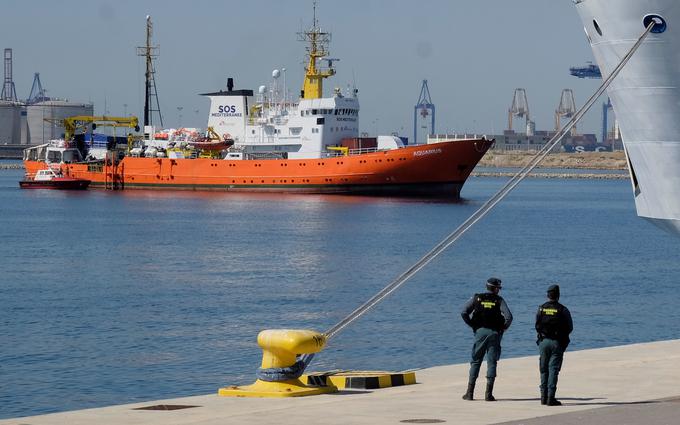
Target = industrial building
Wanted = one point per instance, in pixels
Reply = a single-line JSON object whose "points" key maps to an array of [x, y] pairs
{"points": [[44, 118], [36, 120], [532, 139], [10, 122]]}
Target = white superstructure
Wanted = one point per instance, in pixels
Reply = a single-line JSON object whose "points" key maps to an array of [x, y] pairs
{"points": [[270, 124], [645, 96]]}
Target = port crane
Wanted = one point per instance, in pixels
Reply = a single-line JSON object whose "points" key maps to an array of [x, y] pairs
{"points": [[38, 93], [425, 108], [566, 109], [519, 108]]}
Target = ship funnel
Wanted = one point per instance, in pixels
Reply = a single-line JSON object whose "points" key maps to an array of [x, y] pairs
{"points": [[228, 111]]}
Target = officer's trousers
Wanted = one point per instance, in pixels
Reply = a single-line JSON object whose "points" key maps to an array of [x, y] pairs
{"points": [[550, 363], [487, 343]]}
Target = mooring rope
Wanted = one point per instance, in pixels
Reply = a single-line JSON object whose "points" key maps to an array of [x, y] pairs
{"points": [[484, 209]]}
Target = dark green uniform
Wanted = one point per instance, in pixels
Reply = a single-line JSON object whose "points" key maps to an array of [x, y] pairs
{"points": [[553, 325], [488, 315]]}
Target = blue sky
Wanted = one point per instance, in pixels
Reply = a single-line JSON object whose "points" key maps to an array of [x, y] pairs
{"points": [[473, 53]]}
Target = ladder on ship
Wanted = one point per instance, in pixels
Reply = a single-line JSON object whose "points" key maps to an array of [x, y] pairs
{"points": [[114, 177]]}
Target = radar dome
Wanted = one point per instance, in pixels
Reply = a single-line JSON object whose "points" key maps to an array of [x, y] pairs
{"points": [[276, 73], [262, 89]]}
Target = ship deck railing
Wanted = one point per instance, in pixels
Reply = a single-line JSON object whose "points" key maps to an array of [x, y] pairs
{"points": [[362, 151], [350, 152], [434, 138]]}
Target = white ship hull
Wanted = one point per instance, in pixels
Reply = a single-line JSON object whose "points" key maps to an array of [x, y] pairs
{"points": [[645, 96]]}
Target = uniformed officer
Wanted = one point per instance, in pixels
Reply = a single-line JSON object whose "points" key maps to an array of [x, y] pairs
{"points": [[553, 324], [489, 316]]}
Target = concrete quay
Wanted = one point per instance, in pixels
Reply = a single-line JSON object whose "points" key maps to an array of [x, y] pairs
{"points": [[630, 384]]}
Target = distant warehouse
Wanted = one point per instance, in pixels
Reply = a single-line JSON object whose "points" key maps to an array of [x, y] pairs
{"points": [[38, 119], [43, 118], [10, 122]]}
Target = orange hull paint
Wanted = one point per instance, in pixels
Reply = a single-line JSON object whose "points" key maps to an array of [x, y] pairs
{"points": [[435, 169]]}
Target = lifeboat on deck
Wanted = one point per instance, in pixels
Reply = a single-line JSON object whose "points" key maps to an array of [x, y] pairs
{"points": [[213, 144]]}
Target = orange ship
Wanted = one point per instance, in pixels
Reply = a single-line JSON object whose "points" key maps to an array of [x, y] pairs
{"points": [[275, 144], [430, 170]]}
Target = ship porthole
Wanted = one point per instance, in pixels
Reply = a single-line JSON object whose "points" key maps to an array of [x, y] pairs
{"points": [[597, 27], [659, 23]]}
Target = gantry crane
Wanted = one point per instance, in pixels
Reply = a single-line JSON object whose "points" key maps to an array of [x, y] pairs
{"points": [[519, 108], [425, 108], [566, 109]]}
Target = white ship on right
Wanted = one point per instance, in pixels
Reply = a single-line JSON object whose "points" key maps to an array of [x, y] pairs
{"points": [[645, 95]]}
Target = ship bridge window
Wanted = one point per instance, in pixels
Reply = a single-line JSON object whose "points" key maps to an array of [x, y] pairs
{"points": [[71, 155], [315, 111], [53, 156]]}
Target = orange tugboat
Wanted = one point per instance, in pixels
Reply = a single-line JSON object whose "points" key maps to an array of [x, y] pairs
{"points": [[275, 144]]}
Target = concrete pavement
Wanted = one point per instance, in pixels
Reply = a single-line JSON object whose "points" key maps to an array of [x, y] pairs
{"points": [[609, 385]]}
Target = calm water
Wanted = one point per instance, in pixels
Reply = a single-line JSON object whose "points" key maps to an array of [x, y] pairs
{"points": [[109, 298]]}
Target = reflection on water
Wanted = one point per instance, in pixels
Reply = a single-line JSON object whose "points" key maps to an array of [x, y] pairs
{"points": [[118, 297]]}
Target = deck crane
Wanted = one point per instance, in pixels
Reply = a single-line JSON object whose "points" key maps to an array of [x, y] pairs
{"points": [[519, 108], [566, 109], [80, 122], [425, 108]]}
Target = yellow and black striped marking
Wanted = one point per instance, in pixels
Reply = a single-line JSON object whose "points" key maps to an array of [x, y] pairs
{"points": [[364, 380]]}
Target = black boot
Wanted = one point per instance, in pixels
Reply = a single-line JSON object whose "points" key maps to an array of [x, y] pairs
{"points": [[552, 401], [488, 396], [469, 395], [544, 397]]}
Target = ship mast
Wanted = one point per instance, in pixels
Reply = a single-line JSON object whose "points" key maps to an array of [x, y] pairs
{"points": [[318, 40], [150, 94]]}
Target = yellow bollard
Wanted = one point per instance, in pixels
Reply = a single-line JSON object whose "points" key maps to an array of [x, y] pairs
{"points": [[280, 348]]}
